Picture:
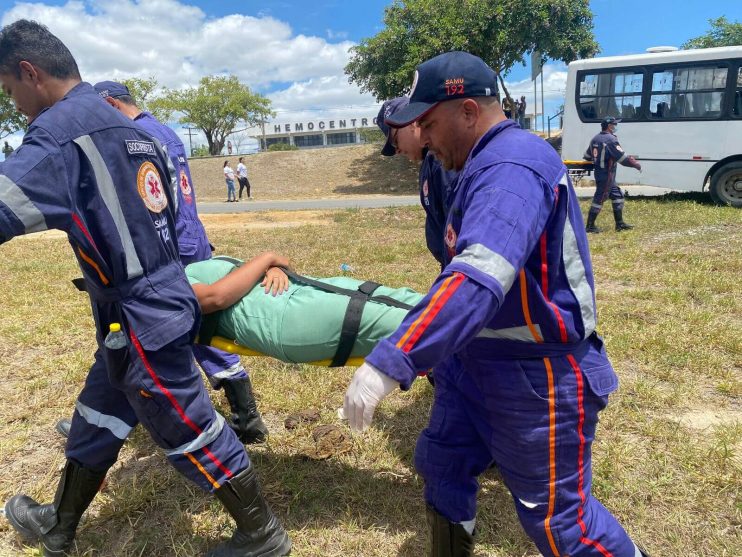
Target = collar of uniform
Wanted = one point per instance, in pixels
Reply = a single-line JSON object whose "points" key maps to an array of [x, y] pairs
{"points": [[488, 136]]}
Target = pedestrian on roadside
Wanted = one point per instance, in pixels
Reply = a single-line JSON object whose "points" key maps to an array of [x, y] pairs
{"points": [[89, 171], [229, 178], [242, 177], [7, 149], [522, 112], [605, 152], [521, 374]]}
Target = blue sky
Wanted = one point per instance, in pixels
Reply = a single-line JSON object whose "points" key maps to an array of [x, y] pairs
{"points": [[295, 51]]}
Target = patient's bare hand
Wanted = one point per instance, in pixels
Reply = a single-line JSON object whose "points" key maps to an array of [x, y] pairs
{"points": [[275, 281]]}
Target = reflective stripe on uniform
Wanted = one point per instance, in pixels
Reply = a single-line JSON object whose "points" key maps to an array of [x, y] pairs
{"points": [[490, 263], [110, 198], [622, 158], [118, 427], [522, 334], [577, 277], [207, 437], [17, 201], [235, 370]]}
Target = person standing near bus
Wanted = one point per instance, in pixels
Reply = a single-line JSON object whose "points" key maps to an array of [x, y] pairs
{"points": [[605, 152]]}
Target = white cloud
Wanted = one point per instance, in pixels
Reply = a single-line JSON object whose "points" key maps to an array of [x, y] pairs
{"points": [[178, 44]]}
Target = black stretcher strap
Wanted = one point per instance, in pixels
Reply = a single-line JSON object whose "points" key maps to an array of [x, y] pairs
{"points": [[351, 321], [79, 284]]}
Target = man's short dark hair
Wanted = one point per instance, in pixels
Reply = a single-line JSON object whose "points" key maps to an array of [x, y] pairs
{"points": [[126, 99], [34, 43]]}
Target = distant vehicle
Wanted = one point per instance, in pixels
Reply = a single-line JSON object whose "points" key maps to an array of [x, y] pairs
{"points": [[681, 114]]}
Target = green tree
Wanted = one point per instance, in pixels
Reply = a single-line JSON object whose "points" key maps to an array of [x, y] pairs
{"points": [[217, 106], [501, 32], [722, 33], [144, 93], [11, 120]]}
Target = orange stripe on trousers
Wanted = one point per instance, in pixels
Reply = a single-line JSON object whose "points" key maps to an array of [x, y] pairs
{"points": [[581, 459], [552, 457], [201, 469]]}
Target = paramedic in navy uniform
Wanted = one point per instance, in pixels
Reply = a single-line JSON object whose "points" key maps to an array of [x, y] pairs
{"points": [[223, 369], [605, 152], [434, 180], [510, 326], [86, 169]]}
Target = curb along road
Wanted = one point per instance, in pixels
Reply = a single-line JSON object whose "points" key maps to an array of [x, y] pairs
{"points": [[370, 202]]}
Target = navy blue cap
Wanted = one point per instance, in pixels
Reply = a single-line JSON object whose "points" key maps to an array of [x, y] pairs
{"points": [[387, 109], [111, 89], [452, 75], [608, 120]]}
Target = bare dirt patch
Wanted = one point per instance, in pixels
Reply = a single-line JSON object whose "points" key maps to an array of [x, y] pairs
{"points": [[310, 174], [264, 220], [703, 419]]}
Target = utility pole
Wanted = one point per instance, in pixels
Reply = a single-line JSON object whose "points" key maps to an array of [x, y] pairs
{"points": [[190, 142]]}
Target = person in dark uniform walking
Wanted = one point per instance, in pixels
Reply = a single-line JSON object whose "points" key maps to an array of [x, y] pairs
{"points": [[87, 170], [605, 152]]}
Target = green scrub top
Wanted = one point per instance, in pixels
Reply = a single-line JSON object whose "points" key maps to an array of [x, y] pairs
{"points": [[303, 324]]}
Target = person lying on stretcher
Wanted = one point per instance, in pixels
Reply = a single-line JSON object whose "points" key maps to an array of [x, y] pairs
{"points": [[263, 305]]}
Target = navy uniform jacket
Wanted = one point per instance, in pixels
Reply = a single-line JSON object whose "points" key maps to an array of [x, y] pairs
{"points": [[86, 169], [517, 280], [192, 239], [605, 151], [435, 184]]}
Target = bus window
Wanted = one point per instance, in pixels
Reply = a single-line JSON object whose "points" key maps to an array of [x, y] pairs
{"points": [[611, 94], [737, 107], [688, 92]]}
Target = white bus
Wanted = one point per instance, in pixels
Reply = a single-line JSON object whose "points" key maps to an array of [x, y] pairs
{"points": [[681, 116]]}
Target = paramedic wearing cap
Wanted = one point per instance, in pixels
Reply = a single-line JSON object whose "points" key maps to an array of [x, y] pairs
{"points": [[223, 369], [87, 170], [605, 151], [510, 326], [434, 180]]}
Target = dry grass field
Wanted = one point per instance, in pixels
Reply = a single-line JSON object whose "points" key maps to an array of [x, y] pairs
{"points": [[666, 461]]}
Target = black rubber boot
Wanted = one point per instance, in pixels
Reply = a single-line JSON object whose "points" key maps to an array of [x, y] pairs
{"points": [[590, 227], [259, 533], [245, 420], [448, 539], [620, 224], [54, 525], [63, 427]]}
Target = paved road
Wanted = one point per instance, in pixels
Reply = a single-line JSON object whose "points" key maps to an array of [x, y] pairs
{"points": [[368, 202]]}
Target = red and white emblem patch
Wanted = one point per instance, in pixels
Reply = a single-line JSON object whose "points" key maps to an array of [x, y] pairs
{"points": [[425, 188], [150, 188], [185, 187], [451, 240]]}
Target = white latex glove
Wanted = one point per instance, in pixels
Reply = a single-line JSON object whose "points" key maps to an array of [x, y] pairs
{"points": [[368, 387]]}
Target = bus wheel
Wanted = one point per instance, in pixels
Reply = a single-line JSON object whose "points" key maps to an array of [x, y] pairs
{"points": [[726, 185]]}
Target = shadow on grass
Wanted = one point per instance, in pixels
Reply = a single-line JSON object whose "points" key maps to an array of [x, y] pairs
{"points": [[149, 508], [701, 198], [376, 174]]}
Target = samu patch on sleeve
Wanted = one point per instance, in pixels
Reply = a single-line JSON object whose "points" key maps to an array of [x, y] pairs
{"points": [[136, 147]]}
